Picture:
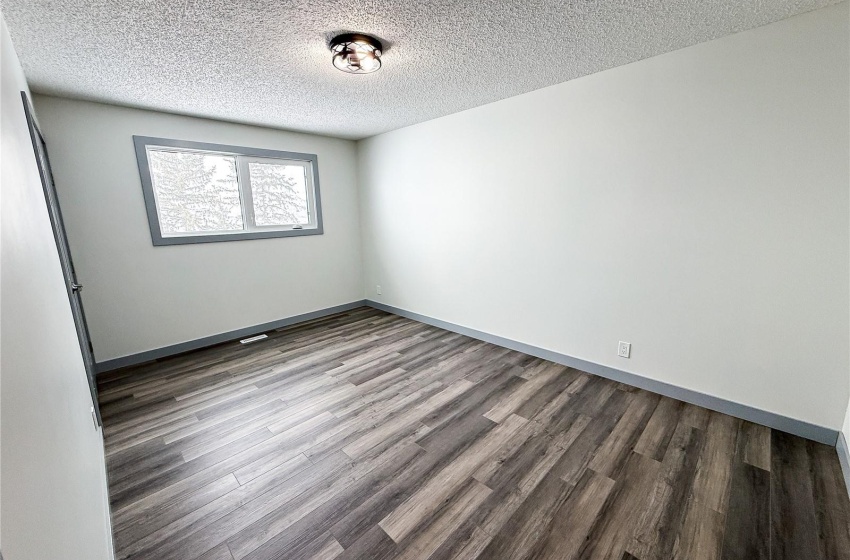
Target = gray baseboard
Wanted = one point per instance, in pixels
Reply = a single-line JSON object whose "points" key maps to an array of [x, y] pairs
{"points": [[147, 356], [773, 420], [844, 459]]}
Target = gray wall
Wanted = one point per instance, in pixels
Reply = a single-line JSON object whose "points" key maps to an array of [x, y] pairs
{"points": [[694, 204], [54, 499], [139, 297]]}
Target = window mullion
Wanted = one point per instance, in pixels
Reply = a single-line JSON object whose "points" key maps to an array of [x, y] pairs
{"points": [[311, 194], [244, 180]]}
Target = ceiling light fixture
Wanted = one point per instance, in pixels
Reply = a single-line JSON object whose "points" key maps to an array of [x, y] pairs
{"points": [[356, 53]]}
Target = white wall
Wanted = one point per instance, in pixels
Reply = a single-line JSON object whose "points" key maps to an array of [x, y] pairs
{"points": [[139, 297], [694, 204], [54, 501]]}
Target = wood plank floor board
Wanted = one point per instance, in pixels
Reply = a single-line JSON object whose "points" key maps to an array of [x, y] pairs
{"points": [[220, 552], [479, 399], [611, 456], [151, 454], [130, 490], [614, 527], [447, 437], [365, 435], [314, 524], [555, 387], [289, 444], [516, 479], [714, 469], [233, 515], [216, 520], [701, 535], [169, 511], [793, 512], [405, 483], [521, 452], [375, 544], [662, 518], [659, 430], [204, 430], [584, 448], [424, 542], [695, 416], [747, 531], [531, 522], [832, 510], [136, 514], [467, 542], [401, 521], [575, 518]]}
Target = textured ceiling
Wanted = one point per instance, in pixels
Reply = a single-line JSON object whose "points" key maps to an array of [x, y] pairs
{"points": [[267, 61]]}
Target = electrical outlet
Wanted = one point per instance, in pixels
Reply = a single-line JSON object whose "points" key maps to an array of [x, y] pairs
{"points": [[378, 289], [94, 418], [624, 349]]}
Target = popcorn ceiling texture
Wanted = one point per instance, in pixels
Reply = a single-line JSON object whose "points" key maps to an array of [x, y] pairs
{"points": [[267, 62]]}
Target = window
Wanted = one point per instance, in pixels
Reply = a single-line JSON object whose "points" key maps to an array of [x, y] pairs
{"points": [[200, 193]]}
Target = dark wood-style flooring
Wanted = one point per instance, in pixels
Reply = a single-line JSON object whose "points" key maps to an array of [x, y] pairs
{"points": [[366, 435]]}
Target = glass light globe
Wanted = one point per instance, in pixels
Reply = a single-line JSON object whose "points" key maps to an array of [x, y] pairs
{"points": [[356, 54]]}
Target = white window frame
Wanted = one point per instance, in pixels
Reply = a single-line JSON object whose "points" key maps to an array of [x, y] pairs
{"points": [[243, 157]]}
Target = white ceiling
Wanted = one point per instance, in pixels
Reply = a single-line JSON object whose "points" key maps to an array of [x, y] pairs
{"points": [[267, 62]]}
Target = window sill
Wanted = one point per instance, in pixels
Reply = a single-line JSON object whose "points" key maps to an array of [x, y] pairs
{"points": [[220, 237]]}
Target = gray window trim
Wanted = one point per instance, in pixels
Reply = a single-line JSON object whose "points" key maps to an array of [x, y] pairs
{"points": [[142, 142]]}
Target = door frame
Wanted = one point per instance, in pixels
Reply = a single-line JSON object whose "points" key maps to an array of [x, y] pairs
{"points": [[63, 248]]}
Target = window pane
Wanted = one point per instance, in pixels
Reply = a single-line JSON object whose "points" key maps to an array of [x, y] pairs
{"points": [[280, 194], [195, 192]]}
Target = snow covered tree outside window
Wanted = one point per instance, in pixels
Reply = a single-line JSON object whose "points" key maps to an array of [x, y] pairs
{"points": [[279, 192], [196, 192]]}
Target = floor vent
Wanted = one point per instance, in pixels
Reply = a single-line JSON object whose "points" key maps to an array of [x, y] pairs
{"points": [[253, 339]]}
